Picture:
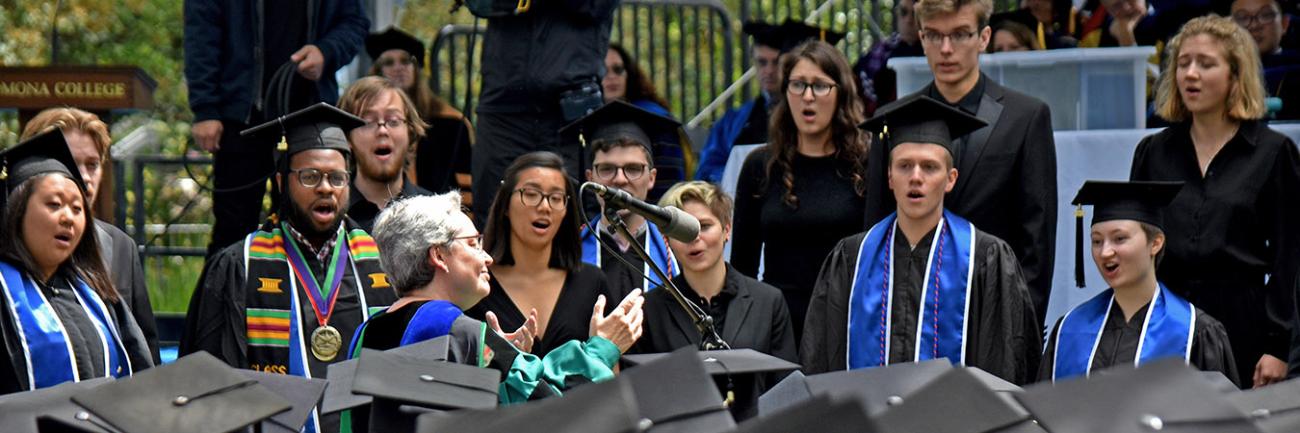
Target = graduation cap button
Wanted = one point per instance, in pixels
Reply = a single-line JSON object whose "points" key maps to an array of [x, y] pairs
{"points": [[426, 378], [1152, 422], [181, 400], [644, 424], [1261, 413], [83, 416], [894, 400]]}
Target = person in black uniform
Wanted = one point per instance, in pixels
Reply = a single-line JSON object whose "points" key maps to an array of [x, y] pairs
{"points": [[1008, 168], [537, 269], [803, 192], [442, 158], [747, 313], [1232, 227], [288, 298], [61, 320], [381, 147], [541, 70], [1137, 319], [88, 139], [620, 137], [924, 283]]}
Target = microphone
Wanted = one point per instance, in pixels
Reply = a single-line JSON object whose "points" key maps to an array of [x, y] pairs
{"points": [[673, 222]]}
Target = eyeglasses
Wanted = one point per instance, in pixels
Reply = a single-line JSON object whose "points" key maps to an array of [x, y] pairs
{"points": [[310, 177], [617, 70], [609, 171], [390, 123], [798, 88], [1264, 17], [404, 61], [477, 239], [533, 197], [935, 38]]}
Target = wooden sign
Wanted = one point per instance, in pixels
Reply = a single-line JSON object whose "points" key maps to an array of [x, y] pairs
{"points": [[91, 88]]}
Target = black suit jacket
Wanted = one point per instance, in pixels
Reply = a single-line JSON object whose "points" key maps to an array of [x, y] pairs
{"points": [[1006, 182], [757, 318]]}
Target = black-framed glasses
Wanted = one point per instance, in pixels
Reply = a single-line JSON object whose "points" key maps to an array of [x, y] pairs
{"points": [[476, 245], [404, 61], [533, 197], [310, 177], [605, 171], [617, 70], [934, 38], [1263, 17], [390, 123], [798, 88]]}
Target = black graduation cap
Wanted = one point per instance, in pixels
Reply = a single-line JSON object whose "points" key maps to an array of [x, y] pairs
{"points": [[320, 126], [608, 407], [398, 381], [1118, 200], [339, 395], [618, 119], [197, 393], [918, 118], [789, 34], [32, 411], [44, 153], [304, 393], [675, 394], [737, 372], [1165, 396], [1276, 408], [959, 401], [392, 38], [824, 414], [875, 387]]}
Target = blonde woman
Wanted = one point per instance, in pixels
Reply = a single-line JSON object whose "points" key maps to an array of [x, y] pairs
{"points": [[1227, 229]]}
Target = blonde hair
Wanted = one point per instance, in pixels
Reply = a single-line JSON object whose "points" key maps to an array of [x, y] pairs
{"points": [[1246, 92], [925, 9], [363, 92], [708, 194], [69, 119]]}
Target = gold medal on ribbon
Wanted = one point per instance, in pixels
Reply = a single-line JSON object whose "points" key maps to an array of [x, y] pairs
{"points": [[325, 343]]}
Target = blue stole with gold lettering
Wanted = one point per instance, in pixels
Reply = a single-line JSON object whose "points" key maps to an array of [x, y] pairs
{"points": [[1167, 332], [49, 355], [941, 322], [655, 246]]}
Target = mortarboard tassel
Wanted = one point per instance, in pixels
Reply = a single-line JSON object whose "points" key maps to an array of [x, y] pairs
{"points": [[1078, 246], [283, 146]]}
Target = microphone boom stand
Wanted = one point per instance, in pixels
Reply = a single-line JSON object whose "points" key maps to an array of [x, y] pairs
{"points": [[709, 338]]}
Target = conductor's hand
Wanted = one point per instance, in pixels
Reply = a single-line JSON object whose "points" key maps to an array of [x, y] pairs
{"points": [[311, 63], [623, 325], [523, 337], [1268, 370], [207, 134]]}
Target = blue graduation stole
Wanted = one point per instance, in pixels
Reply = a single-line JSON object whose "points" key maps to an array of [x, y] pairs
{"points": [[655, 246], [49, 355], [713, 158], [1166, 332], [941, 323]]}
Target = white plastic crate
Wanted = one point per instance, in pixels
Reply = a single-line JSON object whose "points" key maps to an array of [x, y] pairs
{"points": [[1087, 88]]}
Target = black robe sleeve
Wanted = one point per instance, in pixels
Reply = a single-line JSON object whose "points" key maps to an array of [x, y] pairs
{"points": [[137, 346], [1211, 350], [822, 347], [1049, 353], [746, 239], [1007, 336], [123, 262], [215, 321]]}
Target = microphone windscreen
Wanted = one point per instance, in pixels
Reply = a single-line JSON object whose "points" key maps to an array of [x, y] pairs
{"points": [[681, 226]]}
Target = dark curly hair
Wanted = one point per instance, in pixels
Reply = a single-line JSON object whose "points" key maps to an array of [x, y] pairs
{"points": [[639, 86], [851, 143]]}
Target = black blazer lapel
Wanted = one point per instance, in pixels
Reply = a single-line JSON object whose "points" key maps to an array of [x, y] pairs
{"points": [[682, 321], [736, 314], [990, 110]]}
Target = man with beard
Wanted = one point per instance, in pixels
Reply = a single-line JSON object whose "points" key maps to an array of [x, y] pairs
{"points": [[381, 146], [288, 298]]}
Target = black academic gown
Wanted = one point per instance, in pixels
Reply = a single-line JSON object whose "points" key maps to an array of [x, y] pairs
{"points": [[85, 341], [1006, 183], [443, 153], [1003, 336], [1119, 342], [122, 260], [750, 314], [571, 318]]}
